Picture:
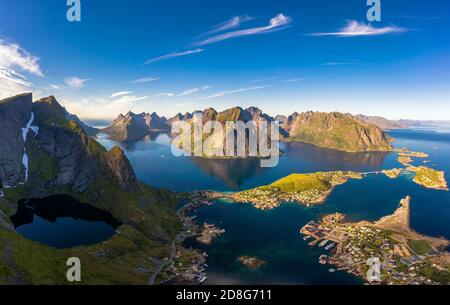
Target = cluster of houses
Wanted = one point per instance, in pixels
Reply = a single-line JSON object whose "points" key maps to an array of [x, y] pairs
{"points": [[357, 244], [270, 198]]}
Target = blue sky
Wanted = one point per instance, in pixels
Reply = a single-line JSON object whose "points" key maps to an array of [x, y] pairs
{"points": [[282, 56]]}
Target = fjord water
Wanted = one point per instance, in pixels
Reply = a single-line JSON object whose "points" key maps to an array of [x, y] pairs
{"points": [[63, 222], [274, 235]]}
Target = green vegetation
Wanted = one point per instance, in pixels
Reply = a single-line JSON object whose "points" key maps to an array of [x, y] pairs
{"points": [[311, 188], [300, 182], [124, 259], [429, 177], [421, 247]]}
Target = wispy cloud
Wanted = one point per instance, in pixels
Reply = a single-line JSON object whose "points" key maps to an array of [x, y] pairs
{"points": [[144, 80], [120, 93], [14, 63], [12, 76], [165, 94], [194, 90], [130, 98], [264, 79], [55, 87], [12, 56], [173, 55], [76, 82], [293, 80], [346, 63], [227, 25], [354, 28], [277, 23], [224, 93]]}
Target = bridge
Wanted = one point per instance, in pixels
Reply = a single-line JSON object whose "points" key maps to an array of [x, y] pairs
{"points": [[371, 173]]}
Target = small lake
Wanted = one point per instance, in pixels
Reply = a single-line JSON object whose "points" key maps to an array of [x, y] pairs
{"points": [[63, 222]]}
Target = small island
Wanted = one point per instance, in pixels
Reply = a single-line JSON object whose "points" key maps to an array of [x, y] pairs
{"points": [[307, 189], [429, 177], [406, 256], [251, 262], [405, 156], [392, 173]]}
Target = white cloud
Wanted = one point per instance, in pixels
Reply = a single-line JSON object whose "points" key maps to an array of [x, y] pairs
{"points": [[130, 99], [105, 107], [293, 80], [277, 23], [194, 90], [165, 94], [354, 28], [13, 59], [173, 55], [223, 93], [12, 83], [144, 80], [346, 63], [12, 76], [264, 79], [229, 24], [120, 93], [12, 56], [56, 87], [75, 82]]}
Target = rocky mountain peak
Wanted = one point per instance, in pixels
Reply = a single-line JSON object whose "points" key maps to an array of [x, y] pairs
{"points": [[122, 169], [15, 113]]}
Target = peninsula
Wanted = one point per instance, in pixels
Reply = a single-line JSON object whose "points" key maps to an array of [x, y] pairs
{"points": [[307, 189], [406, 257]]}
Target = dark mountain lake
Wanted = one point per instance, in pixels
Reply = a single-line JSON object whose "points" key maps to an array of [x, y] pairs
{"points": [[274, 235], [63, 222]]}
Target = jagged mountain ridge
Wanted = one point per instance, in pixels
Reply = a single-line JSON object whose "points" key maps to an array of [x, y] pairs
{"points": [[330, 130], [132, 127]]}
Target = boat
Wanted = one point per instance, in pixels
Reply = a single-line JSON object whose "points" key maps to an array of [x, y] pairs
{"points": [[323, 243], [202, 280], [329, 246], [332, 270], [306, 238]]}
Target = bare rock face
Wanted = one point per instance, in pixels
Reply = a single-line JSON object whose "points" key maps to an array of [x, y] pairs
{"points": [[336, 130], [15, 112], [122, 169], [132, 127], [80, 159]]}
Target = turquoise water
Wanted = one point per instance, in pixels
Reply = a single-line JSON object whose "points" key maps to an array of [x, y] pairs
{"points": [[274, 235]]}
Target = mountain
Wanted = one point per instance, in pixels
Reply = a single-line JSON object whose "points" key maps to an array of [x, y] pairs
{"points": [[337, 131], [47, 154], [383, 123], [91, 131], [235, 114], [132, 127], [179, 117], [330, 130], [14, 115]]}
